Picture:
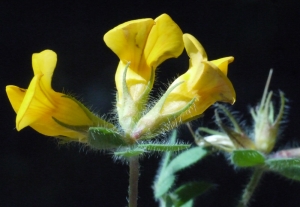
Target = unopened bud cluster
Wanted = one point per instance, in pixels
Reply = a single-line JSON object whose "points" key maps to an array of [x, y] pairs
{"points": [[264, 133]]}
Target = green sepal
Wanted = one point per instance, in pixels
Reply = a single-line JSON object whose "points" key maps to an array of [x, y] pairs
{"points": [[188, 191], [281, 164], [145, 94], [247, 158], [180, 162], [61, 140], [170, 117], [124, 84], [164, 147], [129, 152], [238, 138], [78, 128], [209, 131], [233, 121], [103, 138]]}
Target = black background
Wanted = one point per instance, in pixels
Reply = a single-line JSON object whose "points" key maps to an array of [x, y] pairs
{"points": [[35, 171]]}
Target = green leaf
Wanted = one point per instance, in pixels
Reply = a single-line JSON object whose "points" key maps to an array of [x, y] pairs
{"points": [[103, 138], [181, 161], [164, 147], [187, 192], [185, 159], [163, 185], [283, 163], [167, 155], [290, 172], [128, 152], [188, 204], [247, 158], [288, 167]]}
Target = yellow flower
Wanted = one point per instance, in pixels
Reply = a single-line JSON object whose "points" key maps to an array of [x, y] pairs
{"points": [[191, 94], [46, 111], [141, 45], [145, 43], [205, 82]]}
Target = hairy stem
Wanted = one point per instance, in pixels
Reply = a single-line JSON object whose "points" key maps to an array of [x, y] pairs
{"points": [[133, 181], [251, 186]]}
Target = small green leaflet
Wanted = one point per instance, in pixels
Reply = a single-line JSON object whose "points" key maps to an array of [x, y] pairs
{"points": [[188, 191], [180, 162], [247, 158], [103, 138]]}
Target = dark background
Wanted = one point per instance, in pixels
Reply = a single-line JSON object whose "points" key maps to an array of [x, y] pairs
{"points": [[35, 171]]}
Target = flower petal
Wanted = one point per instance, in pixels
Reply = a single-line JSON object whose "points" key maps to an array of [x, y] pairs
{"points": [[40, 106], [203, 81], [222, 63], [194, 48], [190, 94], [128, 40], [15, 96], [34, 105], [44, 63], [218, 84], [164, 41], [146, 44]]}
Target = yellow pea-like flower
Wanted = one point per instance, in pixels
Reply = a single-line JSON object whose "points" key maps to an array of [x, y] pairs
{"points": [[145, 43], [46, 111], [141, 45], [205, 81], [190, 94]]}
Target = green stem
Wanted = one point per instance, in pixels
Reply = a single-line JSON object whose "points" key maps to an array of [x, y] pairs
{"points": [[251, 186], [133, 181]]}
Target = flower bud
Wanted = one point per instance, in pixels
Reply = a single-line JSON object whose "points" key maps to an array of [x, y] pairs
{"points": [[266, 122]]}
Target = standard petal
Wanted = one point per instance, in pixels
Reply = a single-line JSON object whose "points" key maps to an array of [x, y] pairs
{"points": [[193, 48], [164, 41], [44, 63], [128, 40]]}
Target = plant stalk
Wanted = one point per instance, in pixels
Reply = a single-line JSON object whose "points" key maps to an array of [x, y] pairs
{"points": [[251, 186], [133, 181]]}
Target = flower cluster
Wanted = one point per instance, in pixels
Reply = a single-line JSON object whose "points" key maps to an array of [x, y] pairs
{"points": [[141, 45]]}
